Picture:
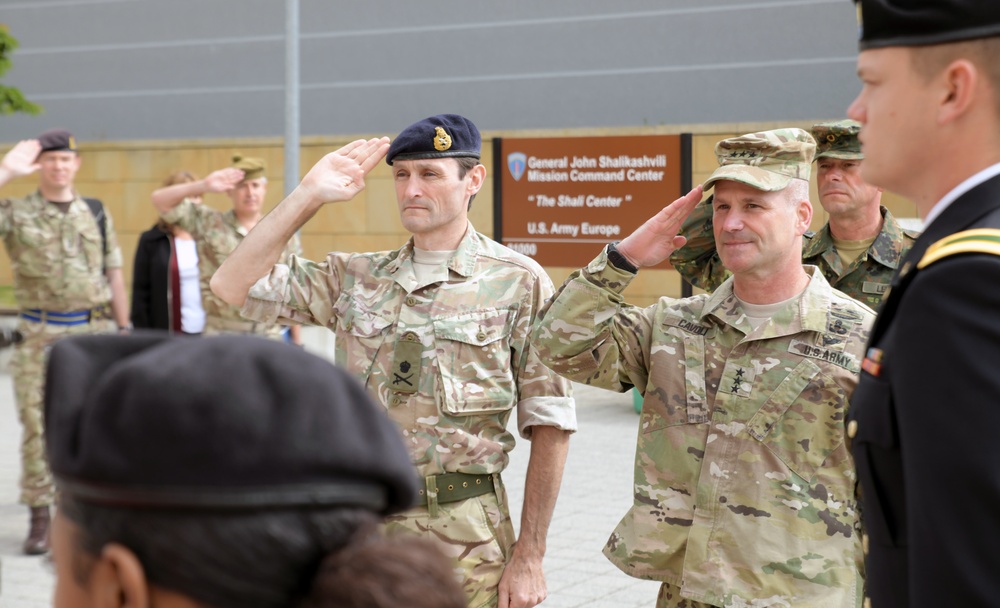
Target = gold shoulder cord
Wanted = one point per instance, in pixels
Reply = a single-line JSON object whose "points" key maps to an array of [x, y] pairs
{"points": [[980, 240]]}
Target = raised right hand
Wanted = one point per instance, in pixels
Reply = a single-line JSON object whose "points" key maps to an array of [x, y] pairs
{"points": [[223, 179], [22, 158], [656, 239], [340, 175]]}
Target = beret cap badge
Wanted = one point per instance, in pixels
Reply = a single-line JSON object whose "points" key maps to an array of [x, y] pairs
{"points": [[441, 136], [442, 141]]}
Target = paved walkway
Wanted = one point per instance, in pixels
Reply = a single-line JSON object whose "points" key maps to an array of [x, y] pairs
{"points": [[596, 492]]}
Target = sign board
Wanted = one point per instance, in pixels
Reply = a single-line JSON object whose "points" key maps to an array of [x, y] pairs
{"points": [[560, 199]]}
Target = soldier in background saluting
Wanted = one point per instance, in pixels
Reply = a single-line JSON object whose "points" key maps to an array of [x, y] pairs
{"points": [[67, 281]]}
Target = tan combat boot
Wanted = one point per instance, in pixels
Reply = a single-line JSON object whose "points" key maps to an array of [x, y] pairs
{"points": [[37, 542]]}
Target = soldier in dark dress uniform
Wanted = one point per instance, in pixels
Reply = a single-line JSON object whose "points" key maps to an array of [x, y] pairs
{"points": [[922, 417]]}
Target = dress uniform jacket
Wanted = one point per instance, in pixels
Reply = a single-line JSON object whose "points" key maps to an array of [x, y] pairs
{"points": [[744, 487], [217, 234], [866, 279], [924, 418]]}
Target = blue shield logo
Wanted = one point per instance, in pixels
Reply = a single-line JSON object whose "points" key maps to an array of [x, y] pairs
{"points": [[516, 163]]}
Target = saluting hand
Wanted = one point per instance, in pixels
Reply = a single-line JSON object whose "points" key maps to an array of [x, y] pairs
{"points": [[223, 179], [22, 159], [340, 175], [655, 240]]}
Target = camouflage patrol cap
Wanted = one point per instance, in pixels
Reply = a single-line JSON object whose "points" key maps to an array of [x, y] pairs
{"points": [[838, 140], [57, 140], [767, 161], [441, 136], [222, 422], [253, 168]]}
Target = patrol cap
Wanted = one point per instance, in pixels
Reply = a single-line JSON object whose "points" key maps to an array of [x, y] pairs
{"points": [[838, 140], [252, 168], [883, 23], [57, 140], [223, 422], [767, 161], [441, 136]]}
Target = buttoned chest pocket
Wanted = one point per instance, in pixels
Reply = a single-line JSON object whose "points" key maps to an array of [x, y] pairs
{"points": [[802, 420], [671, 398], [474, 361], [364, 329]]}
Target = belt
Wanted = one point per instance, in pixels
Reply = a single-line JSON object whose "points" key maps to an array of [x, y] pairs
{"points": [[75, 317], [220, 324], [453, 487]]}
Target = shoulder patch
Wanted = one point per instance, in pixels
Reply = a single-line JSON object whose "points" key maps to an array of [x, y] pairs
{"points": [[978, 240]]}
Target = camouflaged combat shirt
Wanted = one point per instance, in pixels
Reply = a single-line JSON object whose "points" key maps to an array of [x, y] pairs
{"points": [[472, 365], [866, 279], [58, 258], [744, 488], [217, 233]]}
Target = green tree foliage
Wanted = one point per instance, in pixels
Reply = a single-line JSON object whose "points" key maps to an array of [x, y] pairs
{"points": [[11, 99]]}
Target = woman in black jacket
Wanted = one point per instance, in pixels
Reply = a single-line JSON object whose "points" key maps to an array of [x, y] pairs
{"points": [[158, 299]]}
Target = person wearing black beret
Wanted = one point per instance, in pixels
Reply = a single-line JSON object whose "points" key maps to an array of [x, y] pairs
{"points": [[438, 332], [67, 280], [258, 482], [923, 417]]}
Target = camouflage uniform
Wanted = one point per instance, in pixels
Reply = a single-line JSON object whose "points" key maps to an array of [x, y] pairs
{"points": [[217, 234], [744, 488], [866, 279], [58, 266], [475, 366]]}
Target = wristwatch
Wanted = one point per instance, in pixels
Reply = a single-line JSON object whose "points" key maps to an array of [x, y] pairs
{"points": [[618, 260]]}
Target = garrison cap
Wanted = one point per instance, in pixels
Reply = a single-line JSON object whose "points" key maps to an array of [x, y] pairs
{"points": [[883, 23], [767, 161], [252, 168], [838, 140], [222, 422], [441, 136], [57, 140]]}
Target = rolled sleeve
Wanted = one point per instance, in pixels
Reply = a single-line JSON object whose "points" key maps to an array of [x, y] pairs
{"points": [[265, 301], [558, 412]]}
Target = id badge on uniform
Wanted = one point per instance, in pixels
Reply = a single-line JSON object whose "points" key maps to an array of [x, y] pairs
{"points": [[406, 364]]}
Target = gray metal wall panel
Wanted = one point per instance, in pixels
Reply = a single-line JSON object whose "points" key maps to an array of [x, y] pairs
{"points": [[146, 69]]}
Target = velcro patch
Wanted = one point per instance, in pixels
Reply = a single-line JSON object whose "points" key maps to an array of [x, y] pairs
{"points": [[836, 357]]}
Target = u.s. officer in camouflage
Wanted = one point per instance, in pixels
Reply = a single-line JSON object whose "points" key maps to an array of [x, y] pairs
{"points": [[67, 281], [744, 488], [857, 250], [438, 332]]}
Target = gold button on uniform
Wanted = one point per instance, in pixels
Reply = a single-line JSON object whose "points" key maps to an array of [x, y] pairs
{"points": [[481, 336], [852, 428], [411, 301]]}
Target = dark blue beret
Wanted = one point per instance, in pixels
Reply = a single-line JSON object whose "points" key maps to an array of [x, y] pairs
{"points": [[883, 23], [441, 136], [57, 140], [225, 422]]}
